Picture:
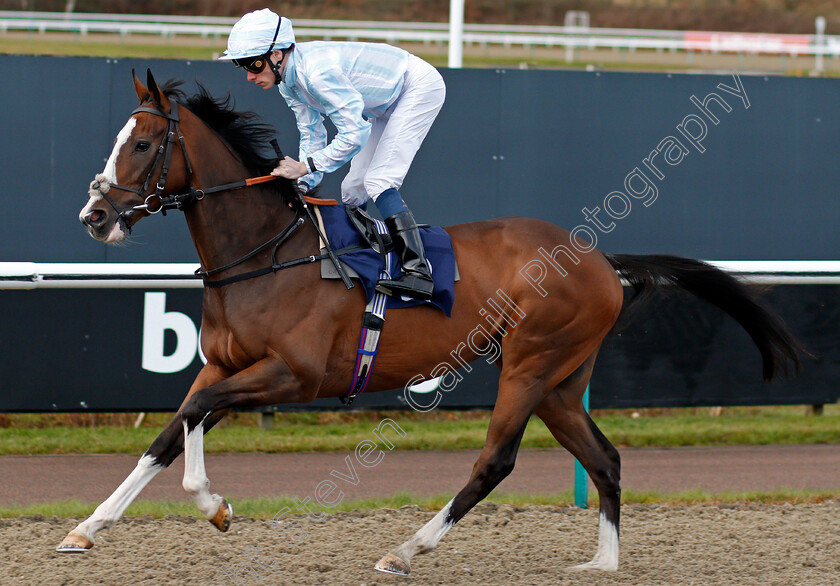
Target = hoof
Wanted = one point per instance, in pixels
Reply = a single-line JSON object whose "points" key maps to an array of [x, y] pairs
{"points": [[222, 519], [391, 564], [74, 543]]}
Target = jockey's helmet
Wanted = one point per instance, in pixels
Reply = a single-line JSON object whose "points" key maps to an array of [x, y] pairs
{"points": [[258, 33]]}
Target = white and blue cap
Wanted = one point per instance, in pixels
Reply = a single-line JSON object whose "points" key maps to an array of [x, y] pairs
{"points": [[258, 33]]}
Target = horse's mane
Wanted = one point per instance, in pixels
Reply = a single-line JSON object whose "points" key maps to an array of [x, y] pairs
{"points": [[244, 131]]}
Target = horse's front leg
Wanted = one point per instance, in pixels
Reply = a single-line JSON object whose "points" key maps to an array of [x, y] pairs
{"points": [[267, 382], [163, 451]]}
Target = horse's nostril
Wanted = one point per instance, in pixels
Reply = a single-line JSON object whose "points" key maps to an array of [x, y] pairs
{"points": [[95, 217]]}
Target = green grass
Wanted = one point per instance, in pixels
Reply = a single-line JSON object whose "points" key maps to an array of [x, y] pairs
{"points": [[139, 47], [267, 508], [106, 46], [766, 426], [342, 431], [196, 49], [322, 432]]}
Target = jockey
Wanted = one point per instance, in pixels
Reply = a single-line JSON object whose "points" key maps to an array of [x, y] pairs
{"points": [[382, 101]]}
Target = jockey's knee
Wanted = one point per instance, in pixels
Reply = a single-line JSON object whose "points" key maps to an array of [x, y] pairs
{"points": [[354, 199], [353, 193]]}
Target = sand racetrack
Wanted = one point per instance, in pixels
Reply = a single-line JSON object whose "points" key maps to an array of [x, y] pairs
{"points": [[494, 544], [710, 545]]}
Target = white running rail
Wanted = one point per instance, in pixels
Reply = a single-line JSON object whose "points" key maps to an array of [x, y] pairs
{"points": [[30, 275], [570, 38]]}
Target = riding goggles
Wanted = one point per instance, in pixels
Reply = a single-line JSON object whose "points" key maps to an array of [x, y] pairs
{"points": [[253, 64]]}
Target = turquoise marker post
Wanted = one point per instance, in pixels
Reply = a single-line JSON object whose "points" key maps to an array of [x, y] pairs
{"points": [[581, 477]]}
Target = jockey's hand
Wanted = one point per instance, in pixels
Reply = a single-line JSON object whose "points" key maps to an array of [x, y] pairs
{"points": [[290, 169]]}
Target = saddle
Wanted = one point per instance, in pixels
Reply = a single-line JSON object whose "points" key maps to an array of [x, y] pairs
{"points": [[365, 250], [364, 247], [363, 222]]}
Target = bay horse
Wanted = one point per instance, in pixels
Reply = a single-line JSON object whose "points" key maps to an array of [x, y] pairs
{"points": [[289, 337]]}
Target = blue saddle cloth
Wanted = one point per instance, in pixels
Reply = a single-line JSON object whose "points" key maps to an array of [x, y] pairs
{"points": [[368, 263]]}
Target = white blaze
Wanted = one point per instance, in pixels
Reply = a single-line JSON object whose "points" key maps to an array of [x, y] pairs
{"points": [[110, 173], [111, 166]]}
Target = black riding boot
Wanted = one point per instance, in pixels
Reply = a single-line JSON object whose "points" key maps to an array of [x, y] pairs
{"points": [[416, 280]]}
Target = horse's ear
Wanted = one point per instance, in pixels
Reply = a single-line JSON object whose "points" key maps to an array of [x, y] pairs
{"points": [[142, 92], [155, 92]]}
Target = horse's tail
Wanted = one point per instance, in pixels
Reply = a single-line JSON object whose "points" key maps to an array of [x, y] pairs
{"points": [[647, 272]]}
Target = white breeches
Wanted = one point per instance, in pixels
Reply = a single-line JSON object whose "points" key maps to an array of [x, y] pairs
{"points": [[395, 137]]}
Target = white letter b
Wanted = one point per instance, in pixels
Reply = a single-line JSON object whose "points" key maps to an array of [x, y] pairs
{"points": [[155, 321]]}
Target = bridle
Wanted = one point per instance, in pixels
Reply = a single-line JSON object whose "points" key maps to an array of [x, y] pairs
{"points": [[182, 200], [164, 153]]}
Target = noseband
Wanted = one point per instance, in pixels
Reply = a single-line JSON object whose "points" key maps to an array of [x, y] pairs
{"points": [[164, 153]]}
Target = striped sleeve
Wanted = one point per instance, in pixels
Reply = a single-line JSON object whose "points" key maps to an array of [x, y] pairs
{"points": [[344, 106], [313, 134]]}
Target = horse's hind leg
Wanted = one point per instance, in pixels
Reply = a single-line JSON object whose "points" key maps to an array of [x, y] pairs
{"points": [[163, 451], [517, 400], [563, 413]]}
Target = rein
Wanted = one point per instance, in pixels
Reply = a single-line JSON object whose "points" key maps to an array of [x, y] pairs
{"points": [[182, 200]]}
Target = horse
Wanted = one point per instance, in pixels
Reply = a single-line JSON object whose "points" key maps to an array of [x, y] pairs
{"points": [[290, 336]]}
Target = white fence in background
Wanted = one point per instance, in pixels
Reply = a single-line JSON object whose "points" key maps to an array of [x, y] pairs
{"points": [[570, 38], [30, 275]]}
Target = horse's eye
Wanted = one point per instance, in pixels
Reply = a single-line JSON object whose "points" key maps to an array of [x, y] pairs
{"points": [[142, 146]]}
